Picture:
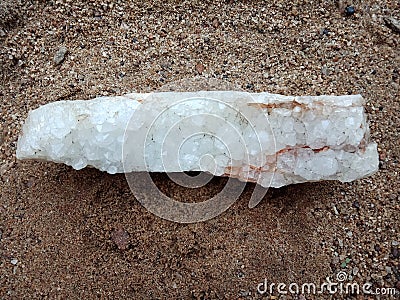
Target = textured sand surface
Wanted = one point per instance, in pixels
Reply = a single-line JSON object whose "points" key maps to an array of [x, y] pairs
{"points": [[81, 234]]}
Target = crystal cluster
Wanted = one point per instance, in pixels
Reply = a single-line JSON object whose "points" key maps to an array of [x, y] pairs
{"points": [[271, 139]]}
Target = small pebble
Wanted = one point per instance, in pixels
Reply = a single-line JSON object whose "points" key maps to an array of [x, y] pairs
{"points": [[335, 210], [349, 10], [324, 70], [60, 55], [200, 68], [215, 23], [250, 86], [355, 271], [395, 252], [392, 23], [375, 277], [3, 170], [121, 238]]}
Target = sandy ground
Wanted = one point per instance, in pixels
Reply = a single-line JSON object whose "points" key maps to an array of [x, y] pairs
{"points": [[82, 234]]}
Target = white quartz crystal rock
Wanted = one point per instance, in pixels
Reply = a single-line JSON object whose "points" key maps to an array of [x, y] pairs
{"points": [[271, 139]]}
